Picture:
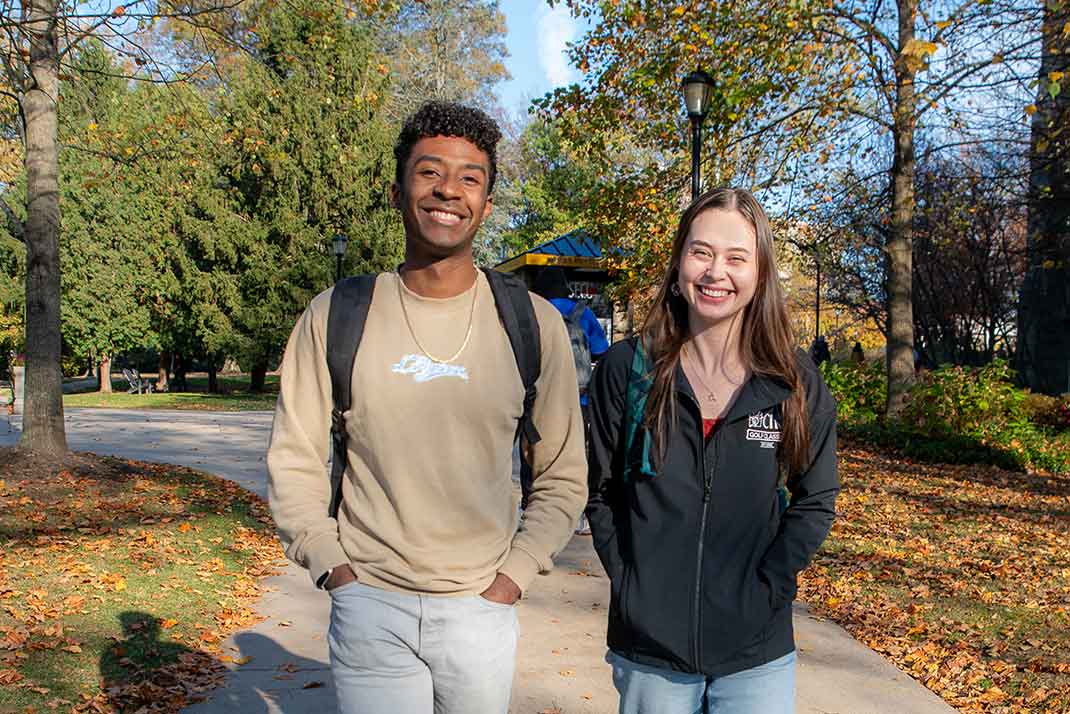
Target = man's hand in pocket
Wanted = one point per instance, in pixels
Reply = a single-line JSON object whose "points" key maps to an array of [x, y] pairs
{"points": [[503, 591], [341, 575]]}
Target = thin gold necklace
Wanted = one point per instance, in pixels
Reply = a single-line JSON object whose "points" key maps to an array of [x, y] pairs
{"points": [[710, 396], [467, 334]]}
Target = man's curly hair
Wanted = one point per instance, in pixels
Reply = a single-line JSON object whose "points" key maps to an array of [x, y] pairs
{"points": [[437, 118]]}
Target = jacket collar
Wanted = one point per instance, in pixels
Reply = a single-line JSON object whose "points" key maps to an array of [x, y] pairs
{"points": [[760, 392]]}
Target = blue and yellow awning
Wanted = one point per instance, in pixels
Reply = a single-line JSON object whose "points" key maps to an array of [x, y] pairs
{"points": [[572, 250]]}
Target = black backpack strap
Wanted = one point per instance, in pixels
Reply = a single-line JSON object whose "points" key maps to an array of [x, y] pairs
{"points": [[345, 326], [518, 317]]}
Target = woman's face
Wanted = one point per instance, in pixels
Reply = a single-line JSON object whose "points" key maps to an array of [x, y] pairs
{"points": [[718, 267]]}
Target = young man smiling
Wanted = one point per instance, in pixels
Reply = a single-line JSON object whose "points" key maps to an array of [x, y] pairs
{"points": [[424, 561]]}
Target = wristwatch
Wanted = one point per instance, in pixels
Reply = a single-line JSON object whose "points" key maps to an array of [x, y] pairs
{"points": [[322, 580]]}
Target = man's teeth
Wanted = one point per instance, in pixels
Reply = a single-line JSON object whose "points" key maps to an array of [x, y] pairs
{"points": [[710, 292], [444, 217]]}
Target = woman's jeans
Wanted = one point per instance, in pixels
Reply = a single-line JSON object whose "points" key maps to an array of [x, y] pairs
{"points": [[765, 689], [399, 653]]}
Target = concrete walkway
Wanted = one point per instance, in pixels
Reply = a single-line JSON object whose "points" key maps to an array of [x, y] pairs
{"points": [[561, 667]]}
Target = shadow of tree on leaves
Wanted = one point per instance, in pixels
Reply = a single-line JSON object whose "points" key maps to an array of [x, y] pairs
{"points": [[142, 673]]}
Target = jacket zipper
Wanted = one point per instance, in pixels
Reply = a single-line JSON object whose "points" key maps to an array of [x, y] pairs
{"points": [[697, 605]]}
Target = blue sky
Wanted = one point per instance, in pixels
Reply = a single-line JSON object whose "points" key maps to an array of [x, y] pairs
{"points": [[536, 41]]}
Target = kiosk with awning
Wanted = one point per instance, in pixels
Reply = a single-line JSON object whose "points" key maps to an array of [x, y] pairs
{"points": [[580, 255]]}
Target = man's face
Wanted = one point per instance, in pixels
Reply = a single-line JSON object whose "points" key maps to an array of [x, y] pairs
{"points": [[443, 195]]}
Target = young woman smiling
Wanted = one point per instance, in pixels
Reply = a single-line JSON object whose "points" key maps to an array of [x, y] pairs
{"points": [[698, 424]]}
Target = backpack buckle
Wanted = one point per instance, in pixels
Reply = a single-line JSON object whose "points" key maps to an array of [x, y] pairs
{"points": [[338, 423]]}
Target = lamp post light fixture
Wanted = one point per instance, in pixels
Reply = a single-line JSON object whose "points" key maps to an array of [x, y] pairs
{"points": [[698, 88], [339, 242]]}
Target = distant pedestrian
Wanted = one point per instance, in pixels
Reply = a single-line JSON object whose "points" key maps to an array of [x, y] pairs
{"points": [[858, 356], [588, 341], [819, 351], [692, 425], [919, 360]]}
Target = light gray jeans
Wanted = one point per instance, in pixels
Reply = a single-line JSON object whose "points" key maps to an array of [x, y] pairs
{"points": [[418, 654]]}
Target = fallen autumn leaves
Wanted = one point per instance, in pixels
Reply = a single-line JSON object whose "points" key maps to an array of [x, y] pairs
{"points": [[118, 580], [958, 574]]}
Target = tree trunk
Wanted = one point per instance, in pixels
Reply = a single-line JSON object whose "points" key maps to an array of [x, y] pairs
{"points": [[164, 372], [42, 425], [900, 247], [104, 381], [1043, 354], [18, 388], [180, 373], [256, 379], [213, 383]]}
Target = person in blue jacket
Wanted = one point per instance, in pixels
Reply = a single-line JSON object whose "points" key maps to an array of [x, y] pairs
{"points": [[588, 345], [552, 284], [701, 427]]}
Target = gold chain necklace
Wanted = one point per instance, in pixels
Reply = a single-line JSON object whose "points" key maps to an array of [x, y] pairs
{"points": [[467, 334], [710, 396]]}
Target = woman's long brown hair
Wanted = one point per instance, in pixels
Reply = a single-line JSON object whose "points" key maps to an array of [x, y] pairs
{"points": [[767, 342]]}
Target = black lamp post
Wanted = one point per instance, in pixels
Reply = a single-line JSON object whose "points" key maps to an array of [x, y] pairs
{"points": [[817, 300], [339, 242], [697, 86]]}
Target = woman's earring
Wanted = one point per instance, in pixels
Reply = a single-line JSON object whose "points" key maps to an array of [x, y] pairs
{"points": [[675, 289]]}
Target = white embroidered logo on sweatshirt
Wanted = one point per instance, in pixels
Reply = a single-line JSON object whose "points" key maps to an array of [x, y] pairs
{"points": [[424, 369]]}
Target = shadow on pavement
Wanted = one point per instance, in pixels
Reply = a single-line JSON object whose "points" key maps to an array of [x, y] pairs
{"points": [[266, 678]]}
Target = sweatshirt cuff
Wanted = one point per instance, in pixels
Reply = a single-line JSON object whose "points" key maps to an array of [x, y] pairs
{"points": [[323, 555], [521, 567]]}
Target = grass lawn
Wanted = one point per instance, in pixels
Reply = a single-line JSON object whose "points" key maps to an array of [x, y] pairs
{"points": [[958, 574], [234, 397], [118, 579]]}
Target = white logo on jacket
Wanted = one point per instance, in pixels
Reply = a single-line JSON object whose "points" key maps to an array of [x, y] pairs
{"points": [[764, 427], [424, 369]]}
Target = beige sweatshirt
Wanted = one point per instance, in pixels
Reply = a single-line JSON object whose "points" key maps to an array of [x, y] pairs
{"points": [[428, 504]]}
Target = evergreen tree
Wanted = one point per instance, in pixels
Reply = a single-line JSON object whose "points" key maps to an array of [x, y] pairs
{"points": [[108, 217], [308, 154]]}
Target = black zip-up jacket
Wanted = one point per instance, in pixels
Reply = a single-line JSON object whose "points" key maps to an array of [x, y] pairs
{"points": [[701, 560]]}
